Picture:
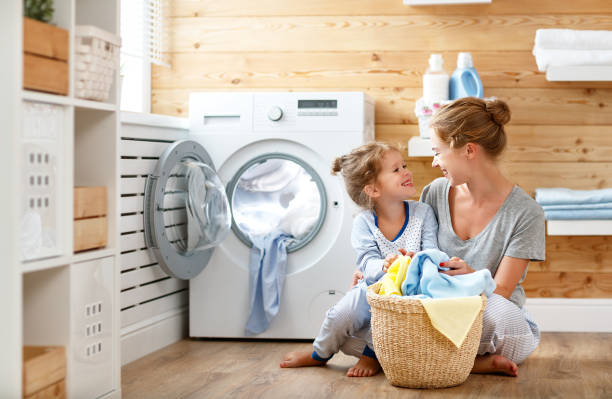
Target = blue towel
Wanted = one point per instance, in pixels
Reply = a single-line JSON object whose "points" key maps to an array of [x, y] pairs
{"points": [[424, 278], [558, 196], [578, 214], [572, 207], [267, 271]]}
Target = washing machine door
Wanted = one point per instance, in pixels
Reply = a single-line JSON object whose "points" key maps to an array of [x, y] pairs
{"points": [[276, 192], [186, 210]]}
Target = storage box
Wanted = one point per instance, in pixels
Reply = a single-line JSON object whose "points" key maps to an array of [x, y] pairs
{"points": [[89, 202], [96, 59], [45, 57], [44, 371], [90, 225]]}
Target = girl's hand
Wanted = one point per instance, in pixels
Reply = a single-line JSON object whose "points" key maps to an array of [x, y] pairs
{"points": [[409, 254], [391, 258], [389, 261], [456, 266], [357, 275]]}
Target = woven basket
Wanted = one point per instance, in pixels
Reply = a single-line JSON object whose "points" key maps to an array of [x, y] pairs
{"points": [[411, 351]]}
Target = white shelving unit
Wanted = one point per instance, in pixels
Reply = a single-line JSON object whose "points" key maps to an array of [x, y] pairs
{"points": [[54, 300], [419, 147], [589, 73], [579, 227]]}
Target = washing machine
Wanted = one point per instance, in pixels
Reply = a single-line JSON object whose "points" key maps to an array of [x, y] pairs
{"points": [[257, 162]]}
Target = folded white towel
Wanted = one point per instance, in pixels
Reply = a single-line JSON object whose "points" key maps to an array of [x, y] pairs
{"points": [[574, 39], [554, 57]]}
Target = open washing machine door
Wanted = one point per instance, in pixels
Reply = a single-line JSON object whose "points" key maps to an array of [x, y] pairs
{"points": [[186, 210], [277, 192]]}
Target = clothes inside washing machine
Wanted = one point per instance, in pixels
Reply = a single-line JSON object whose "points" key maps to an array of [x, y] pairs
{"points": [[276, 194]]}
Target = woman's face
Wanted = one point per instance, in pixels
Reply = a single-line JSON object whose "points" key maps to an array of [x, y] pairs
{"points": [[453, 166]]}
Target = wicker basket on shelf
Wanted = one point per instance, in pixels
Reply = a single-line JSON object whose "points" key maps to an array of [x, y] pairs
{"points": [[411, 351], [96, 59]]}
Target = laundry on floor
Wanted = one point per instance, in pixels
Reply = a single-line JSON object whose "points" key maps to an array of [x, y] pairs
{"points": [[568, 204], [569, 47]]}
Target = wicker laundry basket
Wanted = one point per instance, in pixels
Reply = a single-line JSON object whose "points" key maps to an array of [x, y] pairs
{"points": [[97, 57], [411, 351]]}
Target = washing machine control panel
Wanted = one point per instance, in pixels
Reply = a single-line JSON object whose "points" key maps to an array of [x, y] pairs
{"points": [[317, 107], [275, 114], [297, 112]]}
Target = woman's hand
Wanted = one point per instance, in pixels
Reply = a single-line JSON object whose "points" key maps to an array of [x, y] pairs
{"points": [[456, 266], [357, 275]]}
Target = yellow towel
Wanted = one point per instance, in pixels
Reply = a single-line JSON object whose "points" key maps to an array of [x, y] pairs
{"points": [[453, 317], [391, 282]]}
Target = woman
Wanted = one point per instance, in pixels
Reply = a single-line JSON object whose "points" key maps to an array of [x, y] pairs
{"points": [[486, 221]]}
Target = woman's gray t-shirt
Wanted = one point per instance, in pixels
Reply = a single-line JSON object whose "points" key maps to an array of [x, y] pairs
{"points": [[516, 230]]}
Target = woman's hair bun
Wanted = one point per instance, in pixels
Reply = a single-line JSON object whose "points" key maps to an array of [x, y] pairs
{"points": [[499, 111]]}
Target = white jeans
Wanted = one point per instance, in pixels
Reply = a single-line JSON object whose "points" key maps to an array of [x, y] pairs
{"points": [[346, 326], [507, 330]]}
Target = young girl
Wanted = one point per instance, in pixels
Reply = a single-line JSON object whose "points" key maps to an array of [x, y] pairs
{"points": [[376, 179]]}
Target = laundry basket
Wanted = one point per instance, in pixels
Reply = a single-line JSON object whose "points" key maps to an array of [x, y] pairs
{"points": [[96, 59], [411, 351]]}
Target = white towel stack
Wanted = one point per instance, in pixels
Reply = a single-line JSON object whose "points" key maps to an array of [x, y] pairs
{"points": [[568, 47]]}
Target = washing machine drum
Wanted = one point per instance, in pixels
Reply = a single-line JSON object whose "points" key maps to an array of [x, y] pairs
{"points": [[186, 212], [274, 193]]}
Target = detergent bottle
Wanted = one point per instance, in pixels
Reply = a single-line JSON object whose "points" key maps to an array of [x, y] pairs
{"points": [[465, 82], [435, 81]]}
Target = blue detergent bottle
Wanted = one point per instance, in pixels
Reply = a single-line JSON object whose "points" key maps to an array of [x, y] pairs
{"points": [[465, 82]]}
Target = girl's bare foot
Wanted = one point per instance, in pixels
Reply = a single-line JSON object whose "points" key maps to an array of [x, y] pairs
{"points": [[498, 364], [299, 359], [365, 367]]}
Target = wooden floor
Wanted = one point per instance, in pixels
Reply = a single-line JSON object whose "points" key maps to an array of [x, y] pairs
{"points": [[565, 365]]}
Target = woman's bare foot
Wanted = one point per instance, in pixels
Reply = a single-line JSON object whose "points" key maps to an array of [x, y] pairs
{"points": [[299, 359], [489, 364], [365, 367]]}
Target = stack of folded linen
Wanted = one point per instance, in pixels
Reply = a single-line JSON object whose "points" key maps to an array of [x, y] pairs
{"points": [[568, 47], [566, 204]]}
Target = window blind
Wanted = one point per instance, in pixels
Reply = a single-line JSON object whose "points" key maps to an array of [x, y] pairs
{"points": [[145, 30]]}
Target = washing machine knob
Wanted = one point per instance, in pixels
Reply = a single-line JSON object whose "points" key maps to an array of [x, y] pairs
{"points": [[275, 114]]}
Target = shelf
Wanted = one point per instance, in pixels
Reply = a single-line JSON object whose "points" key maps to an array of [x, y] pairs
{"points": [[443, 2], [66, 100], [93, 254], [419, 147], [94, 105], [579, 227], [45, 264], [593, 73], [45, 97]]}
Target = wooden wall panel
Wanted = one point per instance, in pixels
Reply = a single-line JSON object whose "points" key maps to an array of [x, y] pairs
{"points": [[560, 133], [241, 8], [347, 71], [567, 106], [568, 285], [377, 33]]}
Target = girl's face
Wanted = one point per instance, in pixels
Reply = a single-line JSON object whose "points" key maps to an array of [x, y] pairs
{"points": [[451, 163], [394, 181]]}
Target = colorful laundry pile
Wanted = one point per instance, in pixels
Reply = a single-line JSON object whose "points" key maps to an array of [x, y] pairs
{"points": [[452, 303]]}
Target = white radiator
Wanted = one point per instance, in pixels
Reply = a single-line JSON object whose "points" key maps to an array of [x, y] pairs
{"points": [[153, 305]]}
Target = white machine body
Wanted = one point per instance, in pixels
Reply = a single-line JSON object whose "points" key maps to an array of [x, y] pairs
{"points": [[315, 128]]}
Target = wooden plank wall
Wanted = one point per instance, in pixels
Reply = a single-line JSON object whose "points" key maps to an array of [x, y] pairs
{"points": [[560, 133]]}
